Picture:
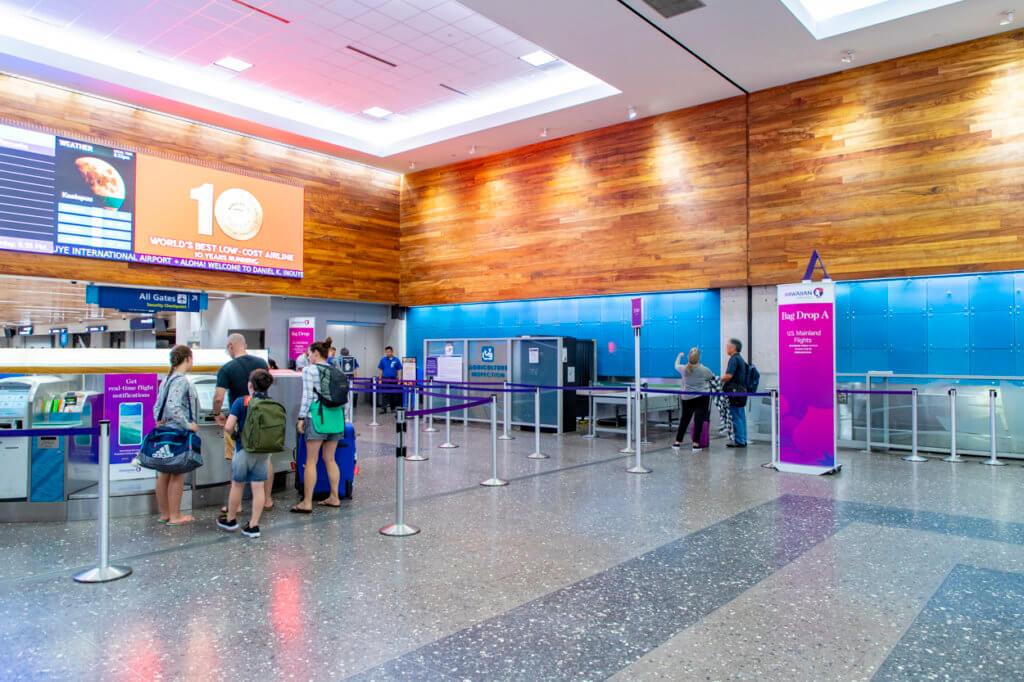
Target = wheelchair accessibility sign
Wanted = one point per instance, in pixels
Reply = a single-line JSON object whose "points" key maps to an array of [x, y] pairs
{"points": [[487, 354]]}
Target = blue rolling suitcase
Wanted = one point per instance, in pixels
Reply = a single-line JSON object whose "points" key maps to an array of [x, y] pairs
{"points": [[344, 455]]}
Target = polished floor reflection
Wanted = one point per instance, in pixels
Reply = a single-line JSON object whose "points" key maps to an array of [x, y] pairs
{"points": [[708, 568]]}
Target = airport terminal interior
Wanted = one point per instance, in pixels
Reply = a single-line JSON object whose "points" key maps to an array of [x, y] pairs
{"points": [[573, 340]]}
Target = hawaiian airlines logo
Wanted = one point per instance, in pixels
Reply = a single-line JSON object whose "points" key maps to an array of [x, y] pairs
{"points": [[819, 292]]}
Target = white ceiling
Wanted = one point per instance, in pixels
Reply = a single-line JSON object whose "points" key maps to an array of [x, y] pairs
{"points": [[473, 46]]}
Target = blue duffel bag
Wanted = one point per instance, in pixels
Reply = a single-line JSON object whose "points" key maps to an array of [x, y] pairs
{"points": [[171, 451]]}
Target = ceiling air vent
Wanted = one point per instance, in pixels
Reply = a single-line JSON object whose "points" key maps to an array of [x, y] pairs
{"points": [[673, 8]]}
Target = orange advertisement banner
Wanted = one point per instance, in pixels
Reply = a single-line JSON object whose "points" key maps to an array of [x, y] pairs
{"points": [[207, 218]]}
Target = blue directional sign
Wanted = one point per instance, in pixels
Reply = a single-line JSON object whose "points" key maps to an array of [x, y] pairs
{"points": [[145, 300]]}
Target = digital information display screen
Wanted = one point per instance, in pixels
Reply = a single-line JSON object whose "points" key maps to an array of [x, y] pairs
{"points": [[65, 197]]}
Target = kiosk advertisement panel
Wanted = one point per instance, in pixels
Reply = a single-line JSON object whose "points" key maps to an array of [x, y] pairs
{"points": [[301, 333], [807, 370], [128, 401]]}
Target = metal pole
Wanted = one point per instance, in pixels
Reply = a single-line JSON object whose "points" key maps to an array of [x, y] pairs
{"points": [[416, 456], [638, 467], [506, 421], [992, 461], [448, 444], [536, 454], [913, 456], [591, 417], [867, 425], [430, 418], [104, 572], [953, 455], [628, 450], [399, 528], [772, 419], [373, 405], [885, 413], [494, 481], [646, 404]]}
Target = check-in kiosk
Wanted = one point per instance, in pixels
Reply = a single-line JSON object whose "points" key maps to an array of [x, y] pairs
{"points": [[26, 402], [215, 470]]}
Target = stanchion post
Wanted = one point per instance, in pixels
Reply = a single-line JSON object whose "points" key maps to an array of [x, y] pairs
{"points": [[954, 456], [536, 454], [638, 466], [913, 456], [773, 401], [373, 404], [494, 481], [506, 418], [430, 418], [104, 572], [628, 450], [591, 417], [399, 528], [992, 461], [416, 456], [448, 444]]}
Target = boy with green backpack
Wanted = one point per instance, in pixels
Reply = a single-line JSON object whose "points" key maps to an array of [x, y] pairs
{"points": [[260, 423]]}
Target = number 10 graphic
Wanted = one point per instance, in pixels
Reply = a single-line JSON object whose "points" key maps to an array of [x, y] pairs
{"points": [[238, 213]]}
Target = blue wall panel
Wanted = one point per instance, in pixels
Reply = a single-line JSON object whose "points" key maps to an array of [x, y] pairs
{"points": [[961, 324], [674, 322]]}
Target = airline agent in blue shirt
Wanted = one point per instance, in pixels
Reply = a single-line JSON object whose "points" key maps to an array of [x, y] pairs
{"points": [[389, 371]]}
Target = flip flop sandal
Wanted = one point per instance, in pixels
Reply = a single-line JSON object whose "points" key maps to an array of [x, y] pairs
{"points": [[299, 510], [323, 503], [180, 523]]}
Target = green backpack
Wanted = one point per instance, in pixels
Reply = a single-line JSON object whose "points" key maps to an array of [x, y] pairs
{"points": [[265, 425]]}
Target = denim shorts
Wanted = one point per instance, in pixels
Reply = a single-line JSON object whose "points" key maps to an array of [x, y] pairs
{"points": [[249, 467], [312, 434]]}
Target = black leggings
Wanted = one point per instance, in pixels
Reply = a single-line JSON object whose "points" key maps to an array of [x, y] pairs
{"points": [[696, 409]]}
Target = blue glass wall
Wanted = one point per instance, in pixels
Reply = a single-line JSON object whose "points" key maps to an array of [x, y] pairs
{"points": [[963, 324], [674, 323]]}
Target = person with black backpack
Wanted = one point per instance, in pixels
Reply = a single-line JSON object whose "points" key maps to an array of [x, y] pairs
{"points": [[322, 422], [258, 426], [735, 381]]}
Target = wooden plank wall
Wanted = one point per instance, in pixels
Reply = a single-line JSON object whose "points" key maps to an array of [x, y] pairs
{"points": [[908, 167], [351, 211], [653, 204]]}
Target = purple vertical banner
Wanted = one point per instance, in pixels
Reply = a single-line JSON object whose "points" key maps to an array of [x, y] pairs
{"points": [[301, 333], [431, 369], [807, 378], [128, 401], [637, 312]]}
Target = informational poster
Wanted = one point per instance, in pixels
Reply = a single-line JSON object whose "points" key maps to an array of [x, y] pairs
{"points": [[72, 198], [409, 368], [449, 348], [430, 370], [449, 368], [301, 333], [807, 371], [128, 401], [534, 355]]}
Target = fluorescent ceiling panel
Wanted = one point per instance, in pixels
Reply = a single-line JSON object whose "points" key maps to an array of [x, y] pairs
{"points": [[827, 18], [495, 101]]}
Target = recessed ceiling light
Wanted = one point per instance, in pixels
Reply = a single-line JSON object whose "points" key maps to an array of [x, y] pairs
{"points": [[1007, 17], [233, 64], [632, 113], [377, 112], [539, 58]]}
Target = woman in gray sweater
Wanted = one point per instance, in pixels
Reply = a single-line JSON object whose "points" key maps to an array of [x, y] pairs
{"points": [[182, 406], [697, 378]]}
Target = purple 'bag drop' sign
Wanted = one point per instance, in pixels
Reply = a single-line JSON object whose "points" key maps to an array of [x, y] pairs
{"points": [[807, 370], [637, 309]]}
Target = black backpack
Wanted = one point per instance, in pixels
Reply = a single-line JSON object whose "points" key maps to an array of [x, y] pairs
{"points": [[333, 390]]}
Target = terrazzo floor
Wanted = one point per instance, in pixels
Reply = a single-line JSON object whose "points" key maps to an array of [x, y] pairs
{"points": [[709, 568]]}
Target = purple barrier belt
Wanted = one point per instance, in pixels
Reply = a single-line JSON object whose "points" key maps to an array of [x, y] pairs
{"points": [[22, 433], [437, 410], [708, 393], [876, 392], [379, 390]]}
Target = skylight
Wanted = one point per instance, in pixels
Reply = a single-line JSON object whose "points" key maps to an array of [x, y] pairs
{"points": [[827, 18]]}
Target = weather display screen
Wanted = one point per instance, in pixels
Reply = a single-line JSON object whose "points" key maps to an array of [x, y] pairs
{"points": [[70, 198]]}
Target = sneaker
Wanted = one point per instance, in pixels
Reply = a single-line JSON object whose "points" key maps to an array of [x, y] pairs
{"points": [[223, 523], [735, 445], [251, 531], [675, 446], [697, 449]]}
